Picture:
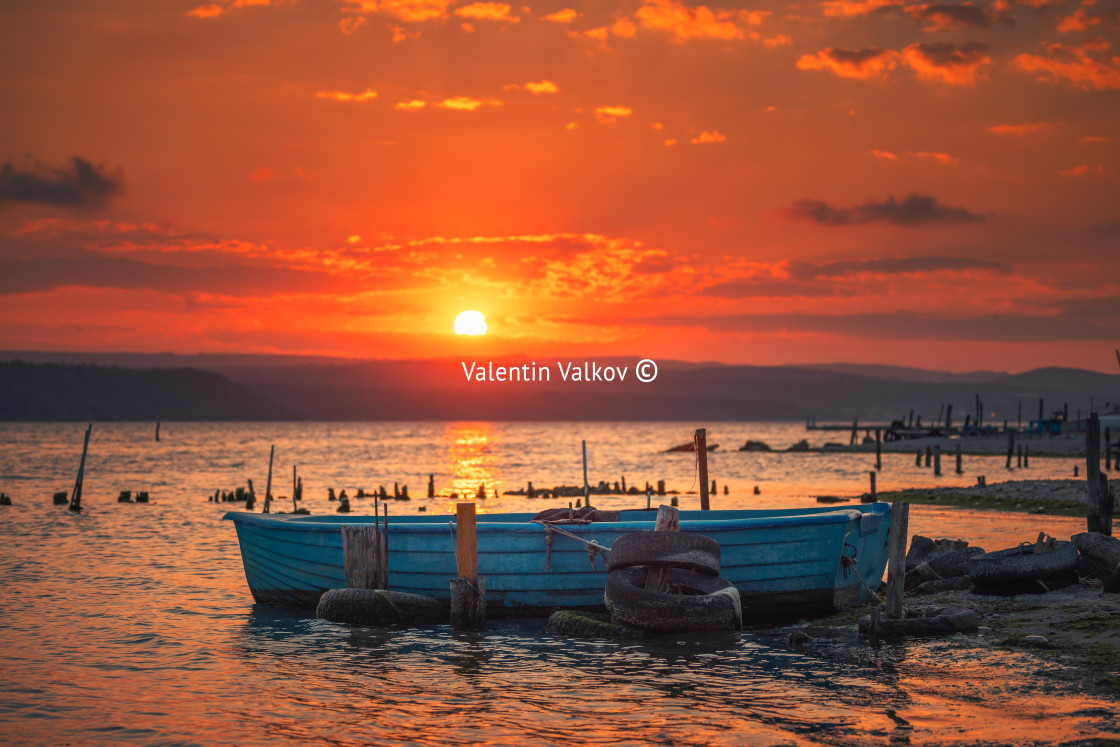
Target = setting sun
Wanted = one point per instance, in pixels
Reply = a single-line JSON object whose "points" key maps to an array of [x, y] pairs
{"points": [[470, 323]]}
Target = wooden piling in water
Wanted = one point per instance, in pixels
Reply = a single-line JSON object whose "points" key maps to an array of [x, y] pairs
{"points": [[431, 486], [949, 420], [918, 458], [959, 470], [468, 591], [1010, 446], [929, 455], [76, 496], [1019, 456], [1108, 449], [937, 460], [1093, 473], [872, 474], [668, 520], [896, 558], [1027, 456], [268, 485], [586, 487], [878, 450], [700, 441], [361, 556]]}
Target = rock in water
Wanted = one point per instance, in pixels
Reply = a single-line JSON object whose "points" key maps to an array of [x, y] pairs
{"points": [[576, 624], [379, 607]]}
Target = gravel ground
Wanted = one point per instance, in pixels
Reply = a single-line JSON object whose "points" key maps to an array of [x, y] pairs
{"points": [[1070, 491]]}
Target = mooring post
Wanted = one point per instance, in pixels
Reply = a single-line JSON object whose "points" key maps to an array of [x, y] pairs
{"points": [[872, 474], [855, 432], [878, 450], [295, 489], [959, 470], [1019, 455], [431, 486], [1093, 473], [268, 485], [700, 442], [929, 455], [918, 458], [361, 556], [384, 566], [937, 460], [76, 496], [949, 420], [1108, 449], [1010, 446], [157, 430], [1027, 456], [586, 487], [896, 559], [657, 575], [468, 591]]}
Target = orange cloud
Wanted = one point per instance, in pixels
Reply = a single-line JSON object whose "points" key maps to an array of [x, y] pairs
{"points": [[368, 95], [542, 86], [412, 11], [625, 28], [262, 174], [611, 113], [943, 158], [1081, 170], [698, 22], [466, 103], [670, 142], [781, 40], [350, 25], [410, 106], [1094, 139], [1079, 21], [1019, 129], [1074, 64], [884, 155], [860, 64], [486, 11], [848, 8], [567, 15], [207, 11], [715, 136], [957, 65]]}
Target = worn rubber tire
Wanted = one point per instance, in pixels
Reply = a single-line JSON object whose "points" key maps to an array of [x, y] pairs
{"points": [[706, 602], [693, 552], [1020, 570], [378, 607]]}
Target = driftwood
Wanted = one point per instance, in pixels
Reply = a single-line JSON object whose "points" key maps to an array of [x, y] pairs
{"points": [[1102, 551], [923, 621]]}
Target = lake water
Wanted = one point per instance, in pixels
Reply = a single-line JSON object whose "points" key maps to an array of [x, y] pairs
{"points": [[133, 624]]}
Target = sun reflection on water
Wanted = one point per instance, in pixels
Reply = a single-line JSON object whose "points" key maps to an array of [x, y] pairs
{"points": [[471, 465]]}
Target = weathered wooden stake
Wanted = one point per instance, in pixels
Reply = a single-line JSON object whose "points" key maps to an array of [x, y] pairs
{"points": [[896, 559], [937, 460], [157, 430], [76, 496], [929, 455], [1027, 456], [268, 485], [1108, 500], [878, 450], [1019, 456], [586, 487], [701, 444], [361, 556], [1108, 449], [431, 486], [949, 420], [855, 432], [657, 576], [385, 546], [1010, 447], [468, 591], [918, 458], [872, 486], [295, 489], [1093, 473]]}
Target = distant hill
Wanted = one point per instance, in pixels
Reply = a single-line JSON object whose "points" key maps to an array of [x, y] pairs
{"points": [[51, 391], [244, 387]]}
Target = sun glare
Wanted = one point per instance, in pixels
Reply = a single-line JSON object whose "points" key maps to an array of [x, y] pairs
{"points": [[470, 323]]}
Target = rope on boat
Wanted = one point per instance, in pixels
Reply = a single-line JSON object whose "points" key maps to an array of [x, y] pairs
{"points": [[593, 547]]}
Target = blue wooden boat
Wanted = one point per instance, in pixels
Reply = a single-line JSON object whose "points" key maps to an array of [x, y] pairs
{"points": [[784, 563]]}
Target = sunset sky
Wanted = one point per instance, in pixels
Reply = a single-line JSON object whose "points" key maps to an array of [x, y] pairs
{"points": [[851, 180]]}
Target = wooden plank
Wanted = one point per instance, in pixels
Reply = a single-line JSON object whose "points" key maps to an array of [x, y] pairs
{"points": [[668, 520], [466, 549], [701, 443], [896, 559]]}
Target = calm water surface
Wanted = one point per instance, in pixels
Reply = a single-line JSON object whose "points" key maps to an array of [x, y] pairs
{"points": [[133, 624]]}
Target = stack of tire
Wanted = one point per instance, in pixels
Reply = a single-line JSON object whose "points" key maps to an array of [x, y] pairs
{"points": [[696, 598]]}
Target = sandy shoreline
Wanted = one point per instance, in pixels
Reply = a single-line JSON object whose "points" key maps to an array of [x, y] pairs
{"points": [[1071, 446]]}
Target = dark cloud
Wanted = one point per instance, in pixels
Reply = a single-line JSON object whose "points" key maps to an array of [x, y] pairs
{"points": [[944, 54], [79, 184], [47, 273], [767, 288], [915, 210], [895, 266], [944, 16]]}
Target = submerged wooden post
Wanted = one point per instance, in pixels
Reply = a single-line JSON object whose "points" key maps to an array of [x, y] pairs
{"points": [[1108, 449], [657, 576], [1027, 456], [949, 420], [937, 460], [586, 487], [929, 454], [700, 441], [896, 559], [361, 556], [76, 496], [1093, 473], [1010, 446], [157, 430], [959, 470], [268, 485], [384, 566], [918, 458], [872, 474], [878, 450], [468, 591], [1108, 500]]}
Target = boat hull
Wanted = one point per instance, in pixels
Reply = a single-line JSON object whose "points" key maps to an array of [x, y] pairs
{"points": [[784, 563]]}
